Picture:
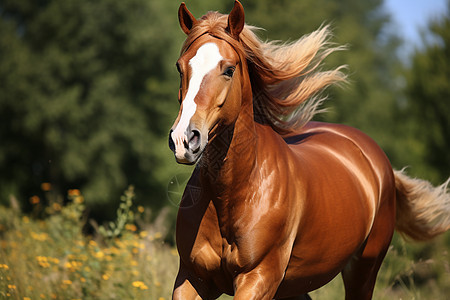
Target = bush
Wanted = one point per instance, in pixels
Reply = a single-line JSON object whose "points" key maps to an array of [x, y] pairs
{"points": [[51, 258]]}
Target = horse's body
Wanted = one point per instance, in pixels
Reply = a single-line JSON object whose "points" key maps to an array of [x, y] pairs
{"points": [[268, 214], [314, 226]]}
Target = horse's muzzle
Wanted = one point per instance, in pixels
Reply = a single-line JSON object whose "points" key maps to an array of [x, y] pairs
{"points": [[186, 150]]}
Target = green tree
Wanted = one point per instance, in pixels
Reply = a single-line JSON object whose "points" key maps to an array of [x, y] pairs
{"points": [[85, 96], [428, 100]]}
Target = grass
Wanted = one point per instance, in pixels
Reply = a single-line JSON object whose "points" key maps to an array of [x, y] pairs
{"points": [[50, 258], [409, 271]]}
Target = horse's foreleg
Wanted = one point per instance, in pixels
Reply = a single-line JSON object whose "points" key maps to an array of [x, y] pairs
{"points": [[184, 290], [184, 287], [261, 283], [255, 286]]}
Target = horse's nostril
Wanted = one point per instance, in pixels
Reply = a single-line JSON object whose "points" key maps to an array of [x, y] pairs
{"points": [[194, 140]]}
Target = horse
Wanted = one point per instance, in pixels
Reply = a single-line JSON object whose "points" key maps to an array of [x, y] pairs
{"points": [[278, 205]]}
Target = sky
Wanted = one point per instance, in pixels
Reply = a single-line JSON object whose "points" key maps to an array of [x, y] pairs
{"points": [[412, 15]]}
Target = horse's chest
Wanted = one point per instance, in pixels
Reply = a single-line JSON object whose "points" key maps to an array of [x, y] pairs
{"points": [[205, 252], [198, 239]]}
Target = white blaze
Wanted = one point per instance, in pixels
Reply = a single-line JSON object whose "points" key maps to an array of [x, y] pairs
{"points": [[205, 60]]}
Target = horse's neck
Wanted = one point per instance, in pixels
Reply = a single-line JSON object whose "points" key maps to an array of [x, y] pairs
{"points": [[230, 158]]}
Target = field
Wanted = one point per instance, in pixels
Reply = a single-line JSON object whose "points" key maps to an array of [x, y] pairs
{"points": [[46, 255]]}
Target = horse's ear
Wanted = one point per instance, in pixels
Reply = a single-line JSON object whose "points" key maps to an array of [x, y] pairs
{"points": [[187, 20], [236, 20]]}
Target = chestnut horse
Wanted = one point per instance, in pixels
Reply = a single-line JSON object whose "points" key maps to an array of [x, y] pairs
{"points": [[278, 205]]}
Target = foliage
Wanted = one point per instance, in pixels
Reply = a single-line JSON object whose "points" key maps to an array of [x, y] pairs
{"points": [[52, 259], [124, 215], [427, 105], [84, 94]]}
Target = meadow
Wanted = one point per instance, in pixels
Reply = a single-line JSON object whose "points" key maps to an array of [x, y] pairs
{"points": [[45, 254]]}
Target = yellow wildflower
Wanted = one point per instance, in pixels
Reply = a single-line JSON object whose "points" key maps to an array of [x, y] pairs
{"points": [[46, 186], [78, 199], [105, 276], [3, 266], [130, 227], [120, 244], [143, 234], [43, 261], [35, 200], [114, 250], [140, 285], [54, 260], [74, 192], [67, 282], [141, 209], [99, 254], [80, 243], [39, 236], [11, 286], [56, 206], [26, 298]]}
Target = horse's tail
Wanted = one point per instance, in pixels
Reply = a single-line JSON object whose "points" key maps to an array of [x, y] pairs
{"points": [[423, 211]]}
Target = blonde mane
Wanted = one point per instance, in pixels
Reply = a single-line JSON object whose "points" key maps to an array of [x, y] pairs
{"points": [[286, 78]]}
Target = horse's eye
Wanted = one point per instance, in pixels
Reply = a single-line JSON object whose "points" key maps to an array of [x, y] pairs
{"points": [[229, 71]]}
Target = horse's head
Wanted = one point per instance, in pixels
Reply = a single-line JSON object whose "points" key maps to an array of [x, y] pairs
{"points": [[210, 90]]}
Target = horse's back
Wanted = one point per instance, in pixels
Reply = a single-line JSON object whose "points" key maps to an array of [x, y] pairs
{"points": [[345, 143], [337, 149]]}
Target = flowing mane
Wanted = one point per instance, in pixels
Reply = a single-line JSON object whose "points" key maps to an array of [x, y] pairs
{"points": [[286, 77]]}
